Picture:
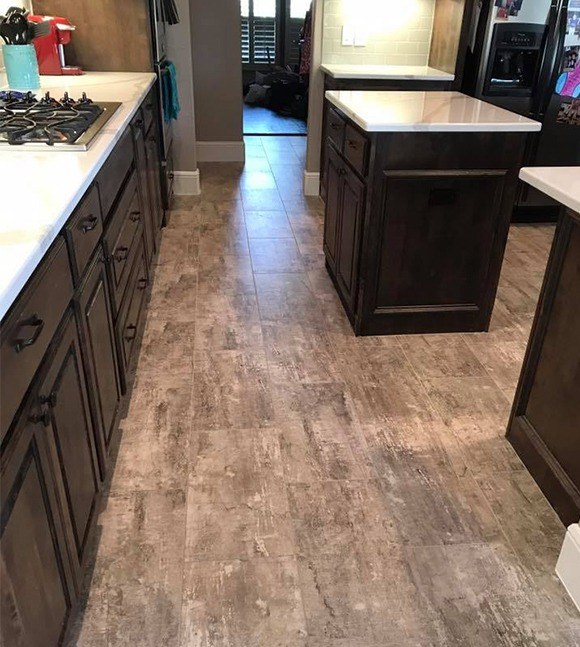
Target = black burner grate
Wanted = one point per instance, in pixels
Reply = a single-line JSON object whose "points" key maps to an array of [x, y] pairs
{"points": [[25, 119]]}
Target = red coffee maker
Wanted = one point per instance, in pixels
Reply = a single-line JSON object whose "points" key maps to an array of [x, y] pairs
{"points": [[50, 48]]}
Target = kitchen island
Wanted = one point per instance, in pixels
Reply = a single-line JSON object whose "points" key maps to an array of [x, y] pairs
{"points": [[420, 188], [544, 427]]}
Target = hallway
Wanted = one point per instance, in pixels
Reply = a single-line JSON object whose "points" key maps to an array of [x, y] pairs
{"points": [[281, 483]]}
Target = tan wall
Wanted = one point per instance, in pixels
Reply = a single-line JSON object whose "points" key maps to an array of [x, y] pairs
{"points": [[398, 33], [217, 69], [180, 52]]}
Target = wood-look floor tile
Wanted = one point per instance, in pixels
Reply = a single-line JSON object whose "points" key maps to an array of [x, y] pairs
{"points": [[502, 361], [287, 298], [167, 346], [258, 527], [234, 466], [227, 321], [279, 255], [477, 595], [441, 356], [310, 453], [470, 400], [154, 446], [225, 273], [527, 519], [174, 293], [268, 224], [299, 353], [262, 200], [232, 391], [253, 603]]}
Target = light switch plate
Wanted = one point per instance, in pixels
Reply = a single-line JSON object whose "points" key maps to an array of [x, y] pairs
{"points": [[347, 35], [360, 37]]}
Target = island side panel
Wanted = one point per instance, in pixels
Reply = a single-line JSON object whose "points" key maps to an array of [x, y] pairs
{"points": [[544, 427], [436, 229]]}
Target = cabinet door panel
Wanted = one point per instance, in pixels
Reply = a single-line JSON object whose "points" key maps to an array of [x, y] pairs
{"points": [[333, 199], [96, 320], [37, 581], [352, 210], [436, 248], [64, 392], [154, 180]]}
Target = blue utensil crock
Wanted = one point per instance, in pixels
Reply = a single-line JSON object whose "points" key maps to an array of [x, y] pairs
{"points": [[21, 67]]}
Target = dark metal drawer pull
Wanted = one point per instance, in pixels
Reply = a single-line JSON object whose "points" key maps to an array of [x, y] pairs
{"points": [[34, 322], [39, 418], [89, 224], [142, 284], [121, 254], [135, 216], [131, 329], [352, 144], [138, 123], [336, 126], [50, 399]]}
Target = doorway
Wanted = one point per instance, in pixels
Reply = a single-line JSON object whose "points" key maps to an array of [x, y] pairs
{"points": [[275, 78]]}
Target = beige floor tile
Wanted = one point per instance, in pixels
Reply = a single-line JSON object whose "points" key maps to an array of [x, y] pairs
{"points": [[275, 255], [254, 603], [268, 224]]}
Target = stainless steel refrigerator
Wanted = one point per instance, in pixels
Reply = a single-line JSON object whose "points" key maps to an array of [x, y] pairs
{"points": [[523, 55]]}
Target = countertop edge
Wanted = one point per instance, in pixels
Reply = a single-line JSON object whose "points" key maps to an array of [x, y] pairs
{"points": [[430, 128], [23, 275], [439, 76], [533, 177]]}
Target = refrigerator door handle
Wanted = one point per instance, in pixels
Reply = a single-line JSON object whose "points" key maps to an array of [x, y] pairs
{"points": [[550, 72]]}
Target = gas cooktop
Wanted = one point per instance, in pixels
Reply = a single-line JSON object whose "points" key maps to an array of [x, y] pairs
{"points": [[67, 124]]}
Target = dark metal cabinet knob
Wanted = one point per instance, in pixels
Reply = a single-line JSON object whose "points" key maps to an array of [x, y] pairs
{"points": [[49, 399], [121, 254], [135, 216], [131, 332]]}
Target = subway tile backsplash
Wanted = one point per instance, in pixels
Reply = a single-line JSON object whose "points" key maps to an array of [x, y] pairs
{"points": [[398, 31]]}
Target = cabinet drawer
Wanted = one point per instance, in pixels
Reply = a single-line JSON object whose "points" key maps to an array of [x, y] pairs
{"points": [[28, 330], [335, 126], [149, 109], [84, 232], [122, 238], [356, 149], [132, 309], [112, 175]]}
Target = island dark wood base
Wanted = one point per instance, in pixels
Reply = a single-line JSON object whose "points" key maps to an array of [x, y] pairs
{"points": [[544, 427], [416, 225]]}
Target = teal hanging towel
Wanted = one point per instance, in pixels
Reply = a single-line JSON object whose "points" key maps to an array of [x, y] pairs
{"points": [[171, 107]]}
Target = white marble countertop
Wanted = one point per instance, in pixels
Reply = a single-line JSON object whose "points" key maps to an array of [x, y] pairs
{"points": [[386, 72], [562, 183], [41, 189], [386, 111]]}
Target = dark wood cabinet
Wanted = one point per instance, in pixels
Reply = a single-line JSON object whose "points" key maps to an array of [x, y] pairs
{"points": [[416, 225], [138, 127], [545, 423], [38, 585], [95, 317], [67, 417], [66, 346], [344, 214]]}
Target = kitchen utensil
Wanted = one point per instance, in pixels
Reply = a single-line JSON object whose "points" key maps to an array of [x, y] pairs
{"points": [[38, 30], [19, 25]]}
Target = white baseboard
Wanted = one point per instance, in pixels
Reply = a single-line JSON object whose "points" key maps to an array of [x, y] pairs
{"points": [[311, 183], [220, 151], [568, 566], [186, 182]]}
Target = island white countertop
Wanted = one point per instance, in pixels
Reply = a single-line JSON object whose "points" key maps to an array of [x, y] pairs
{"points": [[41, 189], [386, 72], [386, 111], [562, 183]]}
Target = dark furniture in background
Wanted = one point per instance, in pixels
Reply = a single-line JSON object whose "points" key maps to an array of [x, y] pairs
{"points": [[416, 225], [68, 346], [545, 423]]}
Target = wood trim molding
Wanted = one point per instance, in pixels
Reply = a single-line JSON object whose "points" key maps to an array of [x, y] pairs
{"points": [[311, 183], [186, 182]]}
